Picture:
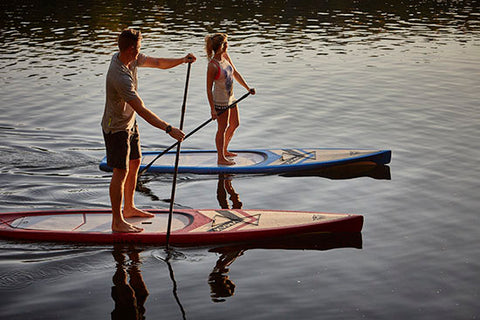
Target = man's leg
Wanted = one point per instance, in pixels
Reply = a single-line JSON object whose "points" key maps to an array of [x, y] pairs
{"points": [[117, 188], [129, 209]]}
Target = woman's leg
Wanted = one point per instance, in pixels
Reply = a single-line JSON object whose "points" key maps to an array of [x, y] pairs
{"points": [[222, 122], [233, 124]]}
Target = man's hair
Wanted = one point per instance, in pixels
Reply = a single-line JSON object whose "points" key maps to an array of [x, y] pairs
{"points": [[128, 38]]}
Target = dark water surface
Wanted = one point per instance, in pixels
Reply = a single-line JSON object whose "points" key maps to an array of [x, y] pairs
{"points": [[399, 75]]}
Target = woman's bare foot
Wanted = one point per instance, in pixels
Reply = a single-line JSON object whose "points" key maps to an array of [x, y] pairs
{"points": [[123, 226], [230, 154], [225, 162], [134, 212]]}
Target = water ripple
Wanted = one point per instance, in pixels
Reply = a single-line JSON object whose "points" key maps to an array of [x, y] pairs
{"points": [[34, 263]]}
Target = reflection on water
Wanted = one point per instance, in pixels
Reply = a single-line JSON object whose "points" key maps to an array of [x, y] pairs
{"points": [[221, 286], [129, 291], [174, 290], [347, 171], [224, 189], [30, 263], [229, 198], [69, 23], [85, 31]]}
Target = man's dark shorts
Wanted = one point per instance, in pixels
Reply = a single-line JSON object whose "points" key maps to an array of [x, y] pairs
{"points": [[122, 147]]}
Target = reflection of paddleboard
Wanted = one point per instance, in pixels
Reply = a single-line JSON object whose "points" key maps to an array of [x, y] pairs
{"points": [[259, 160], [310, 241], [190, 227], [346, 171]]}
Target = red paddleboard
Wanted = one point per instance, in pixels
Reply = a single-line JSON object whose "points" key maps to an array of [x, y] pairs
{"points": [[190, 227]]}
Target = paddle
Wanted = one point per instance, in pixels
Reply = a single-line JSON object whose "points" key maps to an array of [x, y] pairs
{"points": [[175, 294], [188, 135], [174, 254], [174, 184]]}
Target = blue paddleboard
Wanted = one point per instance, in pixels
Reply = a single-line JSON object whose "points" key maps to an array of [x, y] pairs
{"points": [[259, 160]]}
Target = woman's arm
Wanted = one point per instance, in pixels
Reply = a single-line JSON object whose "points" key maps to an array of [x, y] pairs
{"points": [[238, 76], [211, 72]]}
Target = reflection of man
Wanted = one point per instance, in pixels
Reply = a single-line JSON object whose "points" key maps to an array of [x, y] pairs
{"points": [[129, 296], [220, 285], [224, 187]]}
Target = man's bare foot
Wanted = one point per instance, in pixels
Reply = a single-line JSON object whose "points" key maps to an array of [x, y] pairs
{"points": [[230, 154], [134, 212], [225, 162], [126, 227]]}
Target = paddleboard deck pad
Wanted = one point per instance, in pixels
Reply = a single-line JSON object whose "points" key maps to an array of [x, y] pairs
{"points": [[258, 160], [190, 227]]}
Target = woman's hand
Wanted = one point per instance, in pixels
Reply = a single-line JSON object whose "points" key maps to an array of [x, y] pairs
{"points": [[214, 114]]}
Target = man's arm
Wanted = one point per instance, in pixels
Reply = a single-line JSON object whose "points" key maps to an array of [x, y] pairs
{"points": [[139, 107], [167, 63]]}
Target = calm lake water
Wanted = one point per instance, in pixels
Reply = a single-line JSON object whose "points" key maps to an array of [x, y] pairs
{"points": [[398, 75]]}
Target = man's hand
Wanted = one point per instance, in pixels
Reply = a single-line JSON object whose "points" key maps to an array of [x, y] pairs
{"points": [[189, 58], [177, 134]]}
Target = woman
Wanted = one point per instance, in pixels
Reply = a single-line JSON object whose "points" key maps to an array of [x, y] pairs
{"points": [[220, 75]]}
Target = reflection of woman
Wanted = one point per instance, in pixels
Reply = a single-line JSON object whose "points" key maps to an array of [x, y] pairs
{"points": [[224, 187], [129, 296], [220, 75], [220, 285]]}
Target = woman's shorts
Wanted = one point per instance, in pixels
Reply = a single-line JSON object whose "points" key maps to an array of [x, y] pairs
{"points": [[223, 108]]}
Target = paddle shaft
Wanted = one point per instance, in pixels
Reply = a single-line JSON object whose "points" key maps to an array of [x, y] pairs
{"points": [[174, 183], [175, 294], [189, 134]]}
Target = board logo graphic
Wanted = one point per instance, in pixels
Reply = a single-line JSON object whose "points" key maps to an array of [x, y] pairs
{"points": [[226, 219], [291, 156]]}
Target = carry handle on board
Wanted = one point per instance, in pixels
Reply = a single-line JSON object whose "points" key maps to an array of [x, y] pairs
{"points": [[189, 134]]}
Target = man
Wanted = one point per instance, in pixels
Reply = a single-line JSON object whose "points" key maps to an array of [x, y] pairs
{"points": [[120, 128]]}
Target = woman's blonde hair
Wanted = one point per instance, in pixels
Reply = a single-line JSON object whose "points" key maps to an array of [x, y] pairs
{"points": [[213, 42]]}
